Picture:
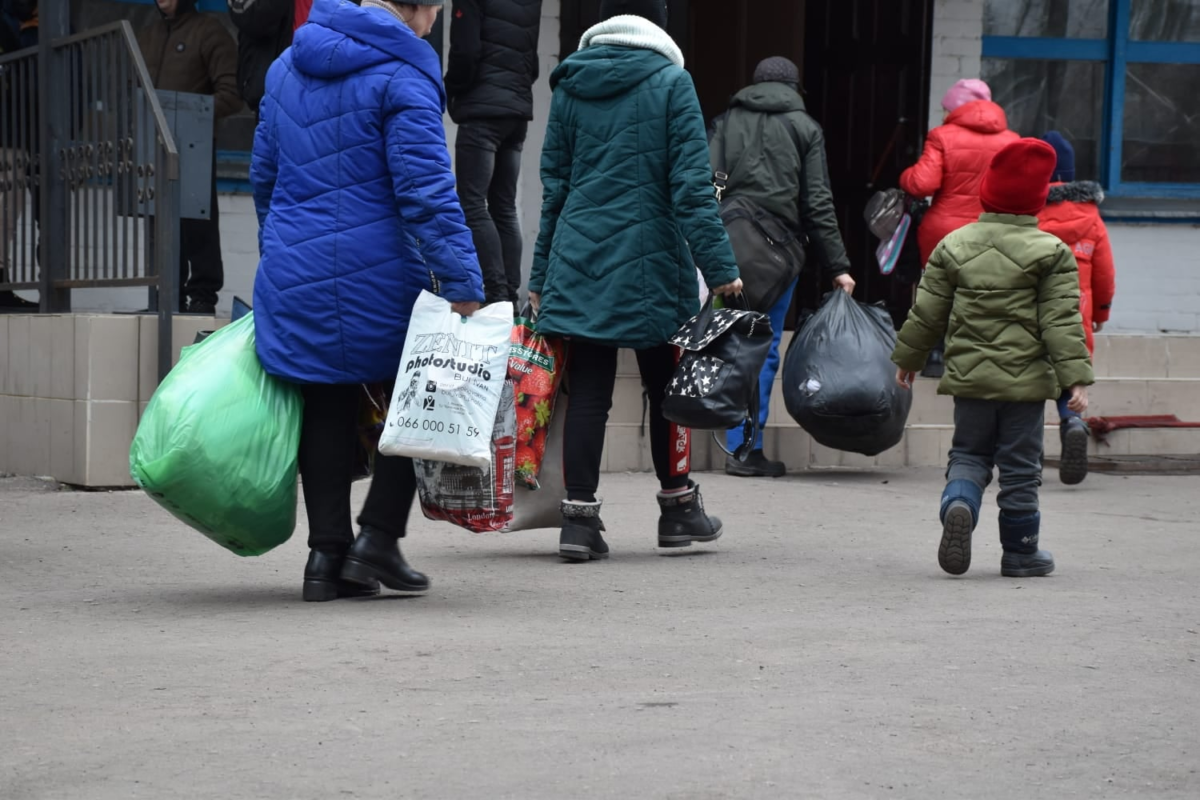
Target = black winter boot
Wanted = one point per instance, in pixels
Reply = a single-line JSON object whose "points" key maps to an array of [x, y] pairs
{"points": [[935, 365], [375, 555], [1019, 538], [682, 519], [756, 465], [580, 539], [322, 581], [1073, 465]]}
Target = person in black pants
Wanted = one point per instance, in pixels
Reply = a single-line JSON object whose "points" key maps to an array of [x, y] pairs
{"points": [[592, 373], [328, 456], [628, 217], [345, 254], [489, 86]]}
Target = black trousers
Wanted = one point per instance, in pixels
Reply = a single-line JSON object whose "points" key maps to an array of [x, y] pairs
{"points": [[201, 267], [328, 450], [487, 156], [591, 377]]}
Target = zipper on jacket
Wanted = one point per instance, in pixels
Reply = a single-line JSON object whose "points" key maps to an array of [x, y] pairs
{"points": [[434, 284]]}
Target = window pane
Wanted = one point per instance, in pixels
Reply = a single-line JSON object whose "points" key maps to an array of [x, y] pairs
{"points": [[1165, 20], [1063, 96], [1075, 19], [1162, 124]]}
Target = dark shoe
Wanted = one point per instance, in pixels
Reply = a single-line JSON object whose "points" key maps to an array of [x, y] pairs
{"points": [[10, 302], [580, 538], [954, 553], [1027, 565], [682, 519], [202, 307], [935, 365], [1073, 465], [322, 581], [756, 465], [1019, 538], [376, 555], [960, 513]]}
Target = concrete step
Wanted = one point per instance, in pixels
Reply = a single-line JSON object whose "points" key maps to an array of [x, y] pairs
{"points": [[627, 450], [1116, 356], [1109, 397]]}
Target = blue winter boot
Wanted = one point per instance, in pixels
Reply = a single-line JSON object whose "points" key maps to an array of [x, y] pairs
{"points": [[1019, 538], [960, 514]]}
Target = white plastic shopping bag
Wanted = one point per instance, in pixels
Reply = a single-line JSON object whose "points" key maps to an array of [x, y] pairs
{"points": [[449, 384]]}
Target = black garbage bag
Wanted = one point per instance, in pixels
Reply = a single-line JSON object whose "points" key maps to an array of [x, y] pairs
{"points": [[839, 382]]}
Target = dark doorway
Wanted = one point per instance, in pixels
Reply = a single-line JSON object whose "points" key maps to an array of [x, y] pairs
{"points": [[865, 67], [866, 76]]}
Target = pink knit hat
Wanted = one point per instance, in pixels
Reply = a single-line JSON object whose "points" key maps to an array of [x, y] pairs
{"points": [[968, 90]]}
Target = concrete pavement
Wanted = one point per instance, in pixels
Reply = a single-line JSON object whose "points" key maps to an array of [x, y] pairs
{"points": [[815, 651]]}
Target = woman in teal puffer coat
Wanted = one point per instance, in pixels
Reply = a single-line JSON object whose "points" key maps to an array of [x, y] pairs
{"points": [[627, 203]]}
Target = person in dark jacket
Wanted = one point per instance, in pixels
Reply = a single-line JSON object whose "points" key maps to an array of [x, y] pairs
{"points": [[264, 31], [492, 66], [18, 136], [357, 215], [774, 154], [186, 51], [627, 202]]}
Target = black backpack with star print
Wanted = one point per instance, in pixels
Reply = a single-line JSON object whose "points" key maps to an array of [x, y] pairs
{"points": [[715, 386]]}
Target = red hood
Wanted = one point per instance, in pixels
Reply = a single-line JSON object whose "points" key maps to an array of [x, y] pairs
{"points": [[983, 116]]}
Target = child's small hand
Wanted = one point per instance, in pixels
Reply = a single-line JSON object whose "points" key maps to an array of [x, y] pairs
{"points": [[905, 378], [1079, 399]]}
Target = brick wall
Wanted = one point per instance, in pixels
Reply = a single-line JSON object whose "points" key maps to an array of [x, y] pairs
{"points": [[957, 44]]}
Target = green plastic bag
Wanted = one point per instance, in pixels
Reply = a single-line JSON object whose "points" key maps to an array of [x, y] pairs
{"points": [[218, 444]]}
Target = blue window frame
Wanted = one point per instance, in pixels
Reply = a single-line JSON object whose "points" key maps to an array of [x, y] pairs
{"points": [[1123, 58]]}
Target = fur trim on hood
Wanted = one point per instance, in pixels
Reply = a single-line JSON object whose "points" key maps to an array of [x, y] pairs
{"points": [[630, 31], [1076, 192]]}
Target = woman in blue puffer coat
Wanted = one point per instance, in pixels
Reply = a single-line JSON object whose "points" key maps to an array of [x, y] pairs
{"points": [[357, 214]]}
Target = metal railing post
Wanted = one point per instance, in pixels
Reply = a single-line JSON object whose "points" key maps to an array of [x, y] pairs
{"points": [[53, 228], [166, 252]]}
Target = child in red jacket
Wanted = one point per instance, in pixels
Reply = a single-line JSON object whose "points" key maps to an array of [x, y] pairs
{"points": [[1072, 214]]}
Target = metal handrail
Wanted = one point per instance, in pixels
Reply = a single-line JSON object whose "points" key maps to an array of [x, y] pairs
{"points": [[89, 140]]}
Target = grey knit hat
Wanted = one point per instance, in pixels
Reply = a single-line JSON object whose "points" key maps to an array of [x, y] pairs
{"points": [[777, 69]]}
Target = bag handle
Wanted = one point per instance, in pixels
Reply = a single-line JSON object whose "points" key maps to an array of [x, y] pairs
{"points": [[750, 426]]}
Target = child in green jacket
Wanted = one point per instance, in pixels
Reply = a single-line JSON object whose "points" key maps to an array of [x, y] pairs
{"points": [[1006, 297]]}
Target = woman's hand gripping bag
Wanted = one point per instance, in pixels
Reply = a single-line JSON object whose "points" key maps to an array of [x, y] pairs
{"points": [[448, 388], [217, 445], [839, 382]]}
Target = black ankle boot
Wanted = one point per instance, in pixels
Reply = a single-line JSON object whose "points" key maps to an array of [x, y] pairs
{"points": [[580, 538], [376, 555], [756, 465], [682, 519], [935, 365], [322, 581]]}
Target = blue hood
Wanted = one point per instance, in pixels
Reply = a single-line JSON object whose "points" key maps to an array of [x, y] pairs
{"points": [[341, 38]]}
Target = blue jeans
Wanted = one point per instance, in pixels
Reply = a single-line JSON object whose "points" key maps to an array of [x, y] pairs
{"points": [[766, 379], [1065, 413]]}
